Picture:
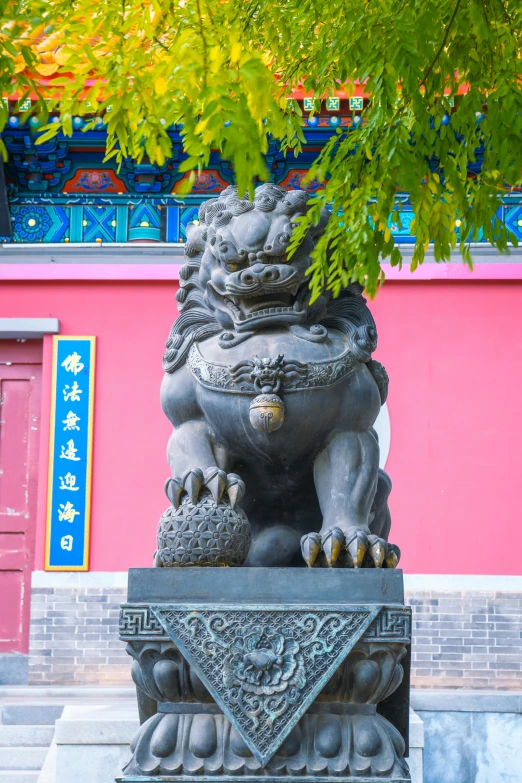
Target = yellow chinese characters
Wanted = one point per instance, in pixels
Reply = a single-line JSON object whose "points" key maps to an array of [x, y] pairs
{"points": [[66, 543], [70, 452], [72, 363], [67, 512], [72, 393], [68, 482], [71, 421]]}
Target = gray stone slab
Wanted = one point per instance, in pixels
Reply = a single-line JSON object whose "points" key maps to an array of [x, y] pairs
{"points": [[48, 771], [31, 714], [61, 694], [466, 701], [416, 731], [415, 764], [309, 586], [97, 725], [22, 758], [471, 747], [90, 763], [14, 669], [26, 736], [17, 776]]}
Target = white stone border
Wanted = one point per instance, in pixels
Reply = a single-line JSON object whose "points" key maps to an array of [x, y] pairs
{"points": [[434, 582], [463, 582], [79, 579]]}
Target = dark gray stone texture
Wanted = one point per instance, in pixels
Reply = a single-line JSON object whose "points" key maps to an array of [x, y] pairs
{"points": [[257, 585]]}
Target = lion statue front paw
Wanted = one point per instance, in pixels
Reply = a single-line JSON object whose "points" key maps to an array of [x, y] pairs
{"points": [[204, 525], [334, 548]]}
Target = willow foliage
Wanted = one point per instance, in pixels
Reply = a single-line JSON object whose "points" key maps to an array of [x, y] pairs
{"points": [[444, 78]]}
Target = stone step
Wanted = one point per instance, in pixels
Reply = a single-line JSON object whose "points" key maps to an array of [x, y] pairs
{"points": [[22, 758], [26, 736], [31, 714], [16, 776]]}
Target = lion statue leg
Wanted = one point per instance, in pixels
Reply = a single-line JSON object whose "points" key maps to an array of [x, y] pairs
{"points": [[353, 496]]}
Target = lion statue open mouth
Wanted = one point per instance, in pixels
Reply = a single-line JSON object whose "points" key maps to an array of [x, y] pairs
{"points": [[268, 391]]}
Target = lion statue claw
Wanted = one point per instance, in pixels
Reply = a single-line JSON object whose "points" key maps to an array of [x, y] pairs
{"points": [[269, 392]]}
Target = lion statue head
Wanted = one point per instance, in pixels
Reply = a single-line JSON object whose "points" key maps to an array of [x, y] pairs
{"points": [[238, 279]]}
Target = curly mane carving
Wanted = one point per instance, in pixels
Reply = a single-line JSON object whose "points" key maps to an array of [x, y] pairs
{"points": [[219, 242]]}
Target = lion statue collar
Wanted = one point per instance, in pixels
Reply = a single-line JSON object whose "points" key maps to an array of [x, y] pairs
{"points": [[270, 375]]}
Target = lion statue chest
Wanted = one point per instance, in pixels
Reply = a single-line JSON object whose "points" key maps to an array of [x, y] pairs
{"points": [[319, 386]]}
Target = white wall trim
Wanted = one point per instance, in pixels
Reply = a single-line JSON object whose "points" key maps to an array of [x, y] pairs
{"points": [[79, 579], [463, 582], [428, 582]]}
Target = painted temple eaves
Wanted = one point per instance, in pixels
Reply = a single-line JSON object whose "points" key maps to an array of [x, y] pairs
{"points": [[63, 191]]}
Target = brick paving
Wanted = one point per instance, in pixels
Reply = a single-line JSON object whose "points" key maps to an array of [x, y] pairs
{"points": [[470, 640]]}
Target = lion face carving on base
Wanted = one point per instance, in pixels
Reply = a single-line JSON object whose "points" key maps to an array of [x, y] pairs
{"points": [[273, 400]]}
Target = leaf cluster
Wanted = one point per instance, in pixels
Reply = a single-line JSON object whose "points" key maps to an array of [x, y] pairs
{"points": [[443, 76]]}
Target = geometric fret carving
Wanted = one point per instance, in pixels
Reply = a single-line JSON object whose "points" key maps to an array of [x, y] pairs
{"points": [[137, 623], [393, 623]]}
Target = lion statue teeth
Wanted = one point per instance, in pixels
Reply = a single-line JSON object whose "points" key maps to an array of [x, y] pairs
{"points": [[273, 401]]}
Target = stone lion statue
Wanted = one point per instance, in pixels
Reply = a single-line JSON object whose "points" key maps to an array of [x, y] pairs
{"points": [[273, 401]]}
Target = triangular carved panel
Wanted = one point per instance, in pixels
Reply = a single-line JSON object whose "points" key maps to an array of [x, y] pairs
{"points": [[264, 667]]}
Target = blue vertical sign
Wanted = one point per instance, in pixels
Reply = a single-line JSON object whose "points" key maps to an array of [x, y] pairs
{"points": [[70, 454]]}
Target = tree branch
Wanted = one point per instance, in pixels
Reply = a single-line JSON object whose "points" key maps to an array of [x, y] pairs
{"points": [[204, 42], [443, 44]]}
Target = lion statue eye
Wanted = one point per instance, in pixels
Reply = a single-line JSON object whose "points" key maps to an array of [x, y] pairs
{"points": [[232, 267]]}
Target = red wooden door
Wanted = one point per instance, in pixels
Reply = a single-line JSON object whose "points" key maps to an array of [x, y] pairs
{"points": [[20, 390]]}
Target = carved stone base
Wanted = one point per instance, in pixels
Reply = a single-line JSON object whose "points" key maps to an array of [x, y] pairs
{"points": [[296, 688], [322, 743]]}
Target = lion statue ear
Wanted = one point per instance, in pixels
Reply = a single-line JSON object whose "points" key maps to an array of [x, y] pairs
{"points": [[195, 244]]}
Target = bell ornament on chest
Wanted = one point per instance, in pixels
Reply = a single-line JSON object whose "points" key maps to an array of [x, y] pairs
{"points": [[267, 412]]}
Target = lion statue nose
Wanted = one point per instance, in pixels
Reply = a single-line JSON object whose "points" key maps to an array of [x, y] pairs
{"points": [[259, 273]]}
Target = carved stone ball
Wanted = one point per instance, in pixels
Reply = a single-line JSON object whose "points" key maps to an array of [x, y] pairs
{"points": [[205, 533], [267, 412]]}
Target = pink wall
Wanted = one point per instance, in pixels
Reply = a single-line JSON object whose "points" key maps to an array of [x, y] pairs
{"points": [[454, 354], [131, 322]]}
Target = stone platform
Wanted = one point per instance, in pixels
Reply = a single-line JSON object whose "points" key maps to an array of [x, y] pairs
{"points": [[292, 673]]}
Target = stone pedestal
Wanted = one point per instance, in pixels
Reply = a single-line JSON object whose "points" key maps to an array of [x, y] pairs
{"points": [[279, 673]]}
